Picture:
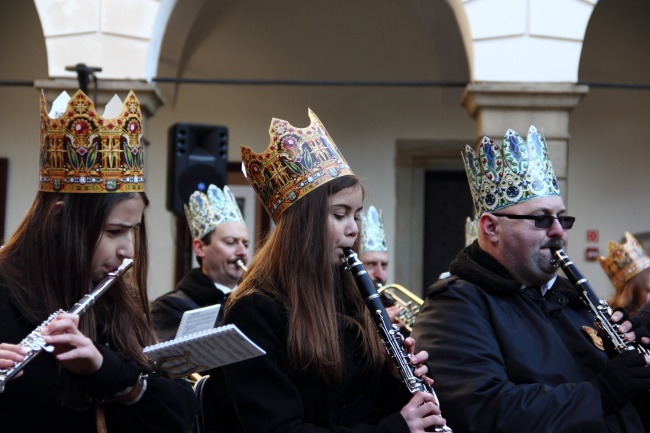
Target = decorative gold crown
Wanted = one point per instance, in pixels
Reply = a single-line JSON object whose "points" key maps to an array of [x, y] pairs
{"points": [[297, 161], [624, 261], [373, 235], [471, 230], [207, 211], [514, 172], [82, 152]]}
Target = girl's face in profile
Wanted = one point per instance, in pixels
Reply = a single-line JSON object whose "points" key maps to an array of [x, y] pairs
{"points": [[116, 242], [344, 210]]}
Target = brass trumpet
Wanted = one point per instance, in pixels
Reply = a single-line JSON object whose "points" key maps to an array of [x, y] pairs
{"points": [[410, 302], [194, 377]]}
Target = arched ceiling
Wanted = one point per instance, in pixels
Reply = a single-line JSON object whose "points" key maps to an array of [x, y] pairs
{"points": [[336, 40]]}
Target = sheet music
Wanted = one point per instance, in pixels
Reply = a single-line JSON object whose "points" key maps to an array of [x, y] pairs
{"points": [[203, 351], [197, 320]]}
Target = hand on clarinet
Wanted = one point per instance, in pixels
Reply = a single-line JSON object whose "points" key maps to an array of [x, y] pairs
{"points": [[76, 352], [422, 412], [630, 327], [418, 361]]}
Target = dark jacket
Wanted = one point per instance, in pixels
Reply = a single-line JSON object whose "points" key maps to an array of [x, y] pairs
{"points": [[31, 403], [507, 360], [265, 394], [195, 290]]}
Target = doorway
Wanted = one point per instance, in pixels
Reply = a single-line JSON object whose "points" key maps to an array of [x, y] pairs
{"points": [[447, 203]]}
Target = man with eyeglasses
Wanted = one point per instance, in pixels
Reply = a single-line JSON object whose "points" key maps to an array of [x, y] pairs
{"points": [[512, 347]]}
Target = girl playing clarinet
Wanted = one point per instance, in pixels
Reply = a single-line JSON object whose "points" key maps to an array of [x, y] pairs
{"points": [[324, 369]]}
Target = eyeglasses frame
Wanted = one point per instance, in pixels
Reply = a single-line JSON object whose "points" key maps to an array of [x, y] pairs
{"points": [[539, 218]]}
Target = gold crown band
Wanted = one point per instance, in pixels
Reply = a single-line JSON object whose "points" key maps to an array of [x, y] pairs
{"points": [[81, 152], [624, 261], [297, 161]]}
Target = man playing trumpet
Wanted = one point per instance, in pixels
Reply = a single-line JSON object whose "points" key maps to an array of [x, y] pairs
{"points": [[374, 256], [220, 243]]}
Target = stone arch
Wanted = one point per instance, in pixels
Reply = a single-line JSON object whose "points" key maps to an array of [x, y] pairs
{"points": [[115, 35], [543, 38]]}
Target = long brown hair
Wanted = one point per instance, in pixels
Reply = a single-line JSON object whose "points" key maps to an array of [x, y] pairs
{"points": [[46, 266], [631, 296], [294, 266]]}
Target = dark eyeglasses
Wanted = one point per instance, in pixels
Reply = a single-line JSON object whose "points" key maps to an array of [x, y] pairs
{"points": [[542, 221]]}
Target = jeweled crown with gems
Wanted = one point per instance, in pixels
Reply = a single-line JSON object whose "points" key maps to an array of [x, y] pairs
{"points": [[82, 152], [206, 211], [297, 161], [624, 261], [516, 171], [373, 235]]}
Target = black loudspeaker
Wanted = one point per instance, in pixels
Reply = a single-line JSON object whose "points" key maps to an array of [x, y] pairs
{"points": [[197, 157]]}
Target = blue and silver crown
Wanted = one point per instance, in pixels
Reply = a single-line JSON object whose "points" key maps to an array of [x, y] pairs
{"points": [[471, 230], [206, 211], [500, 176], [373, 235]]}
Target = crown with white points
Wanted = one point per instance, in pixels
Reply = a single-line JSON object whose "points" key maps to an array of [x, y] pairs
{"points": [[297, 161], [373, 234], [624, 261], [205, 212], [82, 152], [515, 171], [471, 230]]}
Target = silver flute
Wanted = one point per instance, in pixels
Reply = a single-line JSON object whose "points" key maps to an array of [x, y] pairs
{"points": [[34, 342]]}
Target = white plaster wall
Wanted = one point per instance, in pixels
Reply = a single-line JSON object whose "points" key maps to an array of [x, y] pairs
{"points": [[527, 40], [23, 59], [110, 34], [609, 151]]}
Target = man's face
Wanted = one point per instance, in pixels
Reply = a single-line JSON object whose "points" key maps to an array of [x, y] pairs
{"points": [[376, 264], [525, 250], [229, 243]]}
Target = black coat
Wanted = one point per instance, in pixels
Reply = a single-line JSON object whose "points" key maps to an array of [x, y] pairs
{"points": [[30, 403], [505, 359], [195, 290], [265, 394]]}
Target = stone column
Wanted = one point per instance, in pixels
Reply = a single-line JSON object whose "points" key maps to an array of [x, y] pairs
{"points": [[498, 107]]}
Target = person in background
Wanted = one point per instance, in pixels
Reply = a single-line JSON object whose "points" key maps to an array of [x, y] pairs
{"points": [[373, 253], [628, 268], [374, 249], [324, 370], [525, 354], [471, 234], [220, 243], [471, 230], [86, 219]]}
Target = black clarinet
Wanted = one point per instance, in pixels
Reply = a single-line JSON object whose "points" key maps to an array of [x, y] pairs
{"points": [[392, 339], [34, 342], [598, 307]]}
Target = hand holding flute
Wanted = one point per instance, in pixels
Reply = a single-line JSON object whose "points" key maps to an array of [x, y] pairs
{"points": [[60, 334]]}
